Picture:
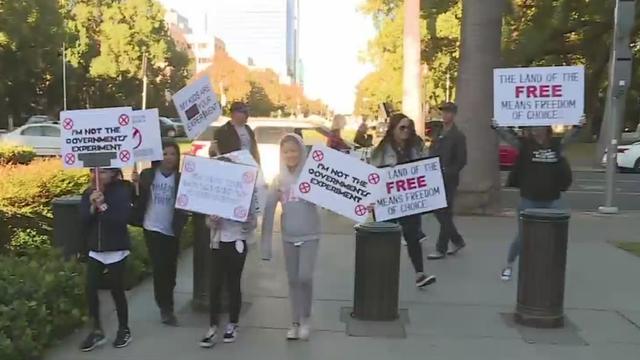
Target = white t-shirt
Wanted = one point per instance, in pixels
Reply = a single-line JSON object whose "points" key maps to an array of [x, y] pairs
{"points": [[245, 139], [109, 257], [159, 215]]}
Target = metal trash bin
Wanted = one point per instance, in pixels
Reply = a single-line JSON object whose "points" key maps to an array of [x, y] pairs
{"points": [[67, 234], [541, 276], [377, 271]]}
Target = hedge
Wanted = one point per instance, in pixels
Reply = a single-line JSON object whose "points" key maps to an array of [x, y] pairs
{"points": [[16, 155]]}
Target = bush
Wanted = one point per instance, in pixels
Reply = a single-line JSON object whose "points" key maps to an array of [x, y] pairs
{"points": [[41, 301], [16, 155], [24, 240]]}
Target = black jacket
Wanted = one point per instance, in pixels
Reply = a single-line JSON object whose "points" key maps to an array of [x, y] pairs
{"points": [[540, 170], [107, 230], [451, 147], [141, 202], [228, 140]]}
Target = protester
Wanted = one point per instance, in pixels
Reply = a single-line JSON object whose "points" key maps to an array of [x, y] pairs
{"points": [[300, 224], [105, 209], [361, 138], [451, 146], [401, 144], [334, 140], [236, 135], [228, 243], [541, 173], [154, 211]]}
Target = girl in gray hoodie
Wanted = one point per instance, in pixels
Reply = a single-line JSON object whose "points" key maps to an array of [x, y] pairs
{"points": [[300, 224]]}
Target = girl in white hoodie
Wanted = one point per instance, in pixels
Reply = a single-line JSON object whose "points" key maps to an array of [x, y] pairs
{"points": [[300, 223]]}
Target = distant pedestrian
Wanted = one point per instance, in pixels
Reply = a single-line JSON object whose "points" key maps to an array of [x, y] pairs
{"points": [[401, 144], [361, 138], [155, 212], [105, 209], [236, 135], [300, 223], [541, 173], [451, 146], [335, 140]]}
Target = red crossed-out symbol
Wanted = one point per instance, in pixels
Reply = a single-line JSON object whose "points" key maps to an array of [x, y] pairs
{"points": [[123, 120], [137, 137], [67, 124], [70, 159], [304, 187], [183, 200], [125, 156], [189, 166], [361, 210], [240, 212], [374, 178], [248, 177], [318, 155]]}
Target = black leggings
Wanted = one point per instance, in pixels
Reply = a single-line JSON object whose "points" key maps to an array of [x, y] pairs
{"points": [[226, 267], [412, 232], [95, 274], [163, 251]]}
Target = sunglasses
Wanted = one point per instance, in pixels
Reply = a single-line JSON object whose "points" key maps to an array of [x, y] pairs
{"points": [[405, 128]]}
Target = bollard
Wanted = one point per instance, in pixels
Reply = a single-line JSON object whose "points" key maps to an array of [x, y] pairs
{"points": [[542, 268], [377, 271], [67, 235]]}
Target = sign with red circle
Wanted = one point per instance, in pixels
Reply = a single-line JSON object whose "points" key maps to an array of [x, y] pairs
{"points": [[361, 210], [70, 159], [304, 187], [240, 212], [67, 124], [318, 155], [248, 177], [137, 138], [374, 178], [183, 200], [125, 156], [189, 166], [123, 120]]}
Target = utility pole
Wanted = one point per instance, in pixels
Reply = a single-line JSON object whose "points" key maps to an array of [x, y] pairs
{"points": [[619, 80], [144, 81], [411, 88], [64, 75]]}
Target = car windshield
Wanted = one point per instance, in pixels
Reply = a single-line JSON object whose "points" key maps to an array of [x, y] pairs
{"points": [[271, 134]]}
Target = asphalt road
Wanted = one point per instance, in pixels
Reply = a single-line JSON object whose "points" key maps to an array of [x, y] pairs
{"points": [[587, 191]]}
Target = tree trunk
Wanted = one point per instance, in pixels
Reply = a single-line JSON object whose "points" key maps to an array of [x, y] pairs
{"points": [[411, 86], [480, 53]]}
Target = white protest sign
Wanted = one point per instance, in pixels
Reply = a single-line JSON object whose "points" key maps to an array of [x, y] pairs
{"points": [[410, 189], [198, 106], [338, 182], [245, 157], [538, 96], [97, 138], [214, 187], [147, 141]]}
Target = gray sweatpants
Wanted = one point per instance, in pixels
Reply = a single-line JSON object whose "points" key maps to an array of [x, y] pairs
{"points": [[300, 261]]}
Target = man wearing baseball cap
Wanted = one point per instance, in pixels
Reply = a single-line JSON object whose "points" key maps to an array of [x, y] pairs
{"points": [[451, 146], [236, 135]]}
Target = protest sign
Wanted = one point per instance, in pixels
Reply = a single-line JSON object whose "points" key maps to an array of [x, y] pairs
{"points": [[147, 142], [245, 157], [338, 182], [97, 138], [214, 187], [410, 189], [197, 106], [538, 96]]}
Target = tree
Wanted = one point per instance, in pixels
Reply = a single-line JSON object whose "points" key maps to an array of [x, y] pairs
{"points": [[479, 55]]}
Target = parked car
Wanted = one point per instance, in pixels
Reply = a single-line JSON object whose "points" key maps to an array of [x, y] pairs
{"points": [[508, 155], [628, 158], [168, 128], [180, 131], [268, 135], [44, 138], [41, 119]]}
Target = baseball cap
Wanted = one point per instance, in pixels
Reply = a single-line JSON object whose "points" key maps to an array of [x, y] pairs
{"points": [[239, 107], [449, 107]]}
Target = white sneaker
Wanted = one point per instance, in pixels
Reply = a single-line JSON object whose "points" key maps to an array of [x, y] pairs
{"points": [[506, 274], [209, 339], [304, 332], [294, 332], [404, 242]]}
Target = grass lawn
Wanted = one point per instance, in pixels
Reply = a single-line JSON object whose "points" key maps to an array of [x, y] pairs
{"points": [[630, 246]]}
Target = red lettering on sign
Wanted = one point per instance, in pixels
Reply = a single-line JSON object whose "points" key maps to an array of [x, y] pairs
{"points": [[408, 184], [422, 181], [545, 90], [539, 91], [556, 91], [411, 184]]}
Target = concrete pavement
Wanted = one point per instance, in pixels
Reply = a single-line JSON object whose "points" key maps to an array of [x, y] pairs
{"points": [[460, 317]]}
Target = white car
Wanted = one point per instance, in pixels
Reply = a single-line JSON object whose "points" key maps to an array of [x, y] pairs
{"points": [[44, 139], [628, 157], [268, 134]]}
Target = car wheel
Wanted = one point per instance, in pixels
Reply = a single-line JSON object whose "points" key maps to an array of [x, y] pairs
{"points": [[636, 166], [171, 133]]}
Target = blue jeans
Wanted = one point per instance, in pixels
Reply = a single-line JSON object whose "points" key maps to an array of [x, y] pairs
{"points": [[514, 249]]}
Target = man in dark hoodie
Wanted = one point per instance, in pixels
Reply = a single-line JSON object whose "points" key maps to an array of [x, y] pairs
{"points": [[236, 135]]}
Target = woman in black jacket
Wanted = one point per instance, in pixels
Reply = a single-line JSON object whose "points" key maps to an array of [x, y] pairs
{"points": [[154, 211], [105, 209]]}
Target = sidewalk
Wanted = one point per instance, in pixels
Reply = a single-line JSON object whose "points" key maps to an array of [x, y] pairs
{"points": [[460, 317]]}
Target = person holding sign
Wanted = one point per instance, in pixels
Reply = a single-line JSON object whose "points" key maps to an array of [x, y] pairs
{"points": [[154, 211], [541, 173], [105, 209], [228, 243], [401, 144], [236, 135], [300, 224], [451, 146]]}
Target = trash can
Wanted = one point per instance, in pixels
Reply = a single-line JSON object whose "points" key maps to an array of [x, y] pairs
{"points": [[377, 271], [67, 235], [201, 258], [541, 275]]}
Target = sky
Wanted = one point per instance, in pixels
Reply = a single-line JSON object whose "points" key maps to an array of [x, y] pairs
{"points": [[332, 35]]}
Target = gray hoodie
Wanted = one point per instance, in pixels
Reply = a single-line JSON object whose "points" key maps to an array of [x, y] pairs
{"points": [[300, 220]]}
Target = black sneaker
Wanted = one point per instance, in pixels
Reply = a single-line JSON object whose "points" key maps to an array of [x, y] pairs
{"points": [[209, 339], [169, 318], [123, 338], [230, 333], [424, 280], [95, 339]]}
